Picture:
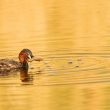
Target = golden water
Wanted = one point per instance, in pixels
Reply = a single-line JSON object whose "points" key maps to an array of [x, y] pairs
{"points": [[73, 37]]}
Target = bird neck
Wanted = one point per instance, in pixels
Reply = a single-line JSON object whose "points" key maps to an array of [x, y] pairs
{"points": [[25, 65]]}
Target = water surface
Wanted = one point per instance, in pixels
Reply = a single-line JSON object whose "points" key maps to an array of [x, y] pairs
{"points": [[73, 39]]}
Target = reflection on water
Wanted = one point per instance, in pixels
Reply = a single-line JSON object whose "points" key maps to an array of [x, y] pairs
{"points": [[24, 76], [73, 38]]}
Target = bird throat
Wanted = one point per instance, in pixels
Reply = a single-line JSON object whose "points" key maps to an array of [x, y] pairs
{"points": [[25, 65]]}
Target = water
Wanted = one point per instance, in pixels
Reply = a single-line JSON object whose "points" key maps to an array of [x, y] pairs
{"points": [[73, 38]]}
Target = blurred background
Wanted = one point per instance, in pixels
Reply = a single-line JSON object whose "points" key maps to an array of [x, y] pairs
{"points": [[73, 38], [80, 24]]}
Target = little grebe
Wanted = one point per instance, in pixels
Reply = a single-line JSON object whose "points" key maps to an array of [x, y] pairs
{"points": [[7, 65]]}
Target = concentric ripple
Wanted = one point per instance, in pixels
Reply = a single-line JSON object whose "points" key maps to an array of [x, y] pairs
{"points": [[58, 69]]}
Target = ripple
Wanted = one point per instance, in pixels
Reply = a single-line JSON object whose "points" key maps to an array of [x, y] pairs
{"points": [[82, 70]]}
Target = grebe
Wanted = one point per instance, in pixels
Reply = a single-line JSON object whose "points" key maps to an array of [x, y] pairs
{"points": [[8, 65]]}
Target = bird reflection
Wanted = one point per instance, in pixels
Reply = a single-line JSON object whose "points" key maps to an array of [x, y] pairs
{"points": [[24, 76]]}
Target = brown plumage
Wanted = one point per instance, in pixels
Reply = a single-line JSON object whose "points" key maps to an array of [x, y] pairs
{"points": [[7, 65]]}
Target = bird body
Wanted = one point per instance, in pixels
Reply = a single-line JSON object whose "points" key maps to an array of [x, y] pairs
{"points": [[7, 65]]}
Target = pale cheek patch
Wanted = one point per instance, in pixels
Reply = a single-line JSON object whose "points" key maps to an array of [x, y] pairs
{"points": [[29, 56]]}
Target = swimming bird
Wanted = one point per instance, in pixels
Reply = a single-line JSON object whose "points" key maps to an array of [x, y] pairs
{"points": [[8, 65]]}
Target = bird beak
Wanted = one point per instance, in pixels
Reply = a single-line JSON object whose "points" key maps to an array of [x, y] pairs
{"points": [[29, 58]]}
